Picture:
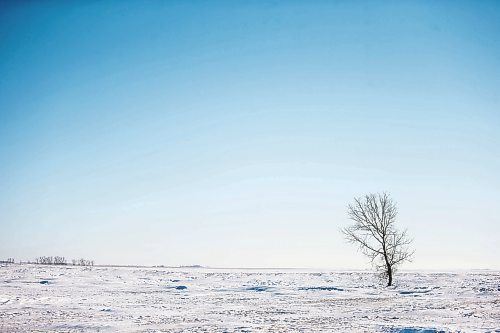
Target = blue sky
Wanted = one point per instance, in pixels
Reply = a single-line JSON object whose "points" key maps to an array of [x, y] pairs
{"points": [[235, 134]]}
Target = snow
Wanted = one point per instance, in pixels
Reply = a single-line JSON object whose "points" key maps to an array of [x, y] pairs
{"points": [[35, 298]]}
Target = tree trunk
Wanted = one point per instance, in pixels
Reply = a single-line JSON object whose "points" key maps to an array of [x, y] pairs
{"points": [[389, 273], [387, 265]]}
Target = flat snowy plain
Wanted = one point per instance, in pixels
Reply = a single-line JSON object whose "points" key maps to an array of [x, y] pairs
{"points": [[37, 298]]}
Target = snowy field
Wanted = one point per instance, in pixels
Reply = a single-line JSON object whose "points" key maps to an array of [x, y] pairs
{"points": [[106, 299]]}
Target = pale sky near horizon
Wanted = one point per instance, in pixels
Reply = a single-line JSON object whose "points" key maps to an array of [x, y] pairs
{"points": [[234, 134]]}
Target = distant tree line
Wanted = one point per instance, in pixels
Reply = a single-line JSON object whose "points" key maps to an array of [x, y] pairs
{"points": [[82, 262], [8, 261], [50, 260], [62, 261]]}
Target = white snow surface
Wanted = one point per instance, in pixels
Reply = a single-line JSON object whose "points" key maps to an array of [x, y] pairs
{"points": [[35, 298]]}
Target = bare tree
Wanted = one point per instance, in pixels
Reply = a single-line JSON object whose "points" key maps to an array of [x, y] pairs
{"points": [[374, 231], [44, 260], [59, 260], [83, 262]]}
